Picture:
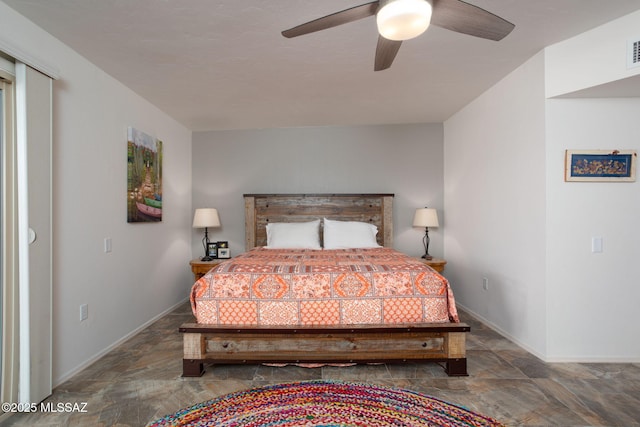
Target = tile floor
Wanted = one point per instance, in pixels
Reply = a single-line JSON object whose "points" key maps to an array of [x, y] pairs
{"points": [[140, 381]]}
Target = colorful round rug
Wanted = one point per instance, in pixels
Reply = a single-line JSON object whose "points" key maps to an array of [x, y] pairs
{"points": [[324, 403]]}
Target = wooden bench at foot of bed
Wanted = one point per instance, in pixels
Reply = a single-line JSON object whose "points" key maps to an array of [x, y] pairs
{"points": [[434, 342]]}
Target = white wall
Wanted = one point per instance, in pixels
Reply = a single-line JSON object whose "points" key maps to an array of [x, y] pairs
{"points": [[512, 218], [495, 205], [591, 295], [147, 272], [592, 298], [401, 159], [593, 58]]}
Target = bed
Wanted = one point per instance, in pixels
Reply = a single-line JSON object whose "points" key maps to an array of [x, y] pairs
{"points": [[312, 305]]}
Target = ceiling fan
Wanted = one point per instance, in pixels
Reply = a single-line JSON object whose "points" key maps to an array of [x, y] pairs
{"points": [[400, 20]]}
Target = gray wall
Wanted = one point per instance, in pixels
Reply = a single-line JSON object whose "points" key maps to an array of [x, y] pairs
{"points": [[406, 160]]}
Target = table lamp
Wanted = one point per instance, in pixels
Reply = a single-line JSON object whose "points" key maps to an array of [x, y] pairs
{"points": [[205, 218], [425, 217]]}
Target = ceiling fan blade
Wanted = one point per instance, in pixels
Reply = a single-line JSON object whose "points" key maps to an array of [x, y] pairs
{"points": [[462, 17], [385, 53], [333, 20]]}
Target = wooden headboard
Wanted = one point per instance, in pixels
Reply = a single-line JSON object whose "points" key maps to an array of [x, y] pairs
{"points": [[261, 209]]}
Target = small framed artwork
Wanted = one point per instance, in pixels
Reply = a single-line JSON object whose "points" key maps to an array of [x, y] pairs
{"points": [[212, 249], [224, 253], [600, 165], [223, 244]]}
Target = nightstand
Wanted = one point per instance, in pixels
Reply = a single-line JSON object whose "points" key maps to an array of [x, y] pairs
{"points": [[200, 268], [436, 263]]}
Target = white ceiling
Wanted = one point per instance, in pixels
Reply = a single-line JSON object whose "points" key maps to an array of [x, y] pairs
{"points": [[223, 64]]}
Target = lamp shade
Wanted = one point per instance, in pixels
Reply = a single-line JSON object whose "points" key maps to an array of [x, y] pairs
{"points": [[403, 19], [425, 217], [207, 217]]}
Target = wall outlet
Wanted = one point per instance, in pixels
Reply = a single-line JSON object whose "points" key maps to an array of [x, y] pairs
{"points": [[107, 245], [84, 312], [485, 283]]}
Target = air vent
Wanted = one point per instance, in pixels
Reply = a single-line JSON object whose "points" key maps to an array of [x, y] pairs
{"points": [[633, 59]]}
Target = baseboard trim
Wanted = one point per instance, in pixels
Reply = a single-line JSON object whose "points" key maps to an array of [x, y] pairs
{"points": [[106, 350], [502, 332], [544, 358]]}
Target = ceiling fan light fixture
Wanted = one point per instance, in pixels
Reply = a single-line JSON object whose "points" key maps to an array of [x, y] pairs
{"points": [[403, 19]]}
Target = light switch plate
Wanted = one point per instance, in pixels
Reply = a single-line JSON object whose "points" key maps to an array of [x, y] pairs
{"points": [[596, 245]]}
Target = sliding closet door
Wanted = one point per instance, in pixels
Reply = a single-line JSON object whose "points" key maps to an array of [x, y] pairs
{"points": [[34, 122], [8, 237]]}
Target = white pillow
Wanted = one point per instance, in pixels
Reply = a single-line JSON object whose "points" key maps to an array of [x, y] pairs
{"points": [[294, 235], [349, 234]]}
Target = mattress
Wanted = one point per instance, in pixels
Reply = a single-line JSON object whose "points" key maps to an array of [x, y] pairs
{"points": [[322, 287]]}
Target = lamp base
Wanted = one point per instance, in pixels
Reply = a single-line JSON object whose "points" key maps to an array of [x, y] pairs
{"points": [[206, 258], [425, 243]]}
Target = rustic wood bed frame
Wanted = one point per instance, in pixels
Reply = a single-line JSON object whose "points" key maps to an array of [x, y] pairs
{"points": [[432, 342]]}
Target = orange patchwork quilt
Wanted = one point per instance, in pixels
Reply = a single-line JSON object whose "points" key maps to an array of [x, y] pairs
{"points": [[322, 287]]}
